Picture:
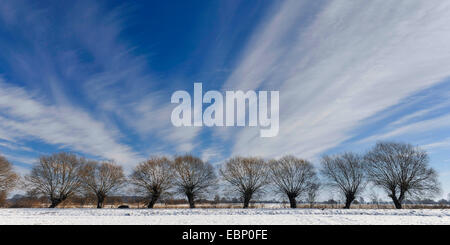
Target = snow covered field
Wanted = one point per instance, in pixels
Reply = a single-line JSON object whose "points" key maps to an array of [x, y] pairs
{"points": [[222, 216]]}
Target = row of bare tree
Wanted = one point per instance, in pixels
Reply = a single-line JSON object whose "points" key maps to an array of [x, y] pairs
{"points": [[399, 169]]}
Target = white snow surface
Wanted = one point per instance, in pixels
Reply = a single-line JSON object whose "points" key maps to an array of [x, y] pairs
{"points": [[264, 216]]}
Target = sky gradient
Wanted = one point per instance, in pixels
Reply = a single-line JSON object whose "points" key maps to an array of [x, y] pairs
{"points": [[97, 78]]}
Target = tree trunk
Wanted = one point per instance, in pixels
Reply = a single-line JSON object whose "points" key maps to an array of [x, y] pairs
{"points": [[348, 201], [247, 198], [153, 200], [100, 200], [292, 201], [397, 203], [54, 203], [190, 197]]}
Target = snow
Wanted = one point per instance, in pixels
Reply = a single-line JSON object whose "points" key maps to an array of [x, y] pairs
{"points": [[266, 216]]}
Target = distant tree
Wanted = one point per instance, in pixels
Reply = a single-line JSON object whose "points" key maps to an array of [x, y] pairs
{"points": [[426, 201], [293, 177], [346, 173], [247, 175], [443, 201], [216, 199], [193, 177], [331, 201], [57, 176], [374, 199], [361, 200], [153, 178], [401, 170], [101, 179], [312, 193], [8, 179]]}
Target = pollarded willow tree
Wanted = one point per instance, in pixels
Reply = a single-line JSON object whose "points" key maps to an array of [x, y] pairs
{"points": [[247, 175], [8, 179], [102, 179], [346, 173], [56, 176], [293, 177], [193, 177], [153, 178], [400, 170]]}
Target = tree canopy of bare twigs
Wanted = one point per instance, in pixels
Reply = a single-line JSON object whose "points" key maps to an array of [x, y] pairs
{"points": [[400, 170], [193, 177], [101, 179], [247, 175], [312, 192], [153, 178], [346, 173], [293, 177], [57, 176], [8, 179]]}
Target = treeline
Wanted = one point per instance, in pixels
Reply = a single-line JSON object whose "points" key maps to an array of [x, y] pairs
{"points": [[401, 170]]}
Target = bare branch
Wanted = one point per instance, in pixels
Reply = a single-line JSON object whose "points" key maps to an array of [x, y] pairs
{"points": [[193, 177], [346, 173], [57, 176], [8, 179], [248, 176], [101, 179], [154, 178], [293, 177], [401, 170]]}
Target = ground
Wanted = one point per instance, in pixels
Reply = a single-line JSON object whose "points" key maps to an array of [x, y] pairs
{"points": [[265, 216]]}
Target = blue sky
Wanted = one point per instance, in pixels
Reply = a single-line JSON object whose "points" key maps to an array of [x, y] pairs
{"points": [[96, 77]]}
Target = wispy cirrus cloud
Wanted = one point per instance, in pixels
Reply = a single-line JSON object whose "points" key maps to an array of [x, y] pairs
{"points": [[84, 87], [25, 116], [345, 63]]}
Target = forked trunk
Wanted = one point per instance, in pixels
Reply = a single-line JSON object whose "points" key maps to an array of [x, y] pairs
{"points": [[397, 203]]}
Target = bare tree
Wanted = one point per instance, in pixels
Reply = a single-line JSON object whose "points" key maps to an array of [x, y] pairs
{"points": [[312, 192], [346, 173], [153, 178], [101, 179], [57, 176], [293, 177], [401, 170], [8, 179], [193, 177], [247, 175], [374, 198]]}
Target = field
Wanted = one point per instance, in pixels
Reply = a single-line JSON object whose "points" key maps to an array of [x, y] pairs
{"points": [[266, 216]]}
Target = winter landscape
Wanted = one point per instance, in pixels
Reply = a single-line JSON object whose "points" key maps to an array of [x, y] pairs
{"points": [[224, 217], [232, 112]]}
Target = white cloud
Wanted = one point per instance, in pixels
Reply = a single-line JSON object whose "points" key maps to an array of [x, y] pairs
{"points": [[438, 144], [413, 128], [21, 159], [352, 60], [26, 116], [115, 83], [14, 146]]}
